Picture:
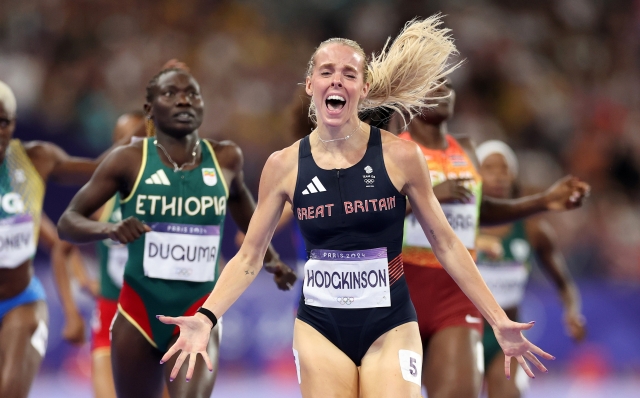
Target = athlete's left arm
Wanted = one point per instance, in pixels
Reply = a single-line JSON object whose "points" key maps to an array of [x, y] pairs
{"points": [[408, 169], [542, 237], [242, 206], [53, 163], [566, 194]]}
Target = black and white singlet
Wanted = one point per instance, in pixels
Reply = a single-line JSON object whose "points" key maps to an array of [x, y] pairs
{"points": [[352, 223]]}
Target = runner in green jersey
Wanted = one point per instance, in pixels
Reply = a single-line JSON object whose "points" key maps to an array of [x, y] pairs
{"points": [[175, 189], [504, 254], [112, 257], [25, 167]]}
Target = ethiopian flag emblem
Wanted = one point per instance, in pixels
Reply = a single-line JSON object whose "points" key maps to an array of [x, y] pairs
{"points": [[209, 176]]}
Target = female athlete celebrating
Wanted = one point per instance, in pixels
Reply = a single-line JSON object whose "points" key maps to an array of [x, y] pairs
{"points": [[175, 189], [356, 332]]}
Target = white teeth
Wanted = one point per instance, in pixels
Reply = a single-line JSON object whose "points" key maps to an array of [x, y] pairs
{"points": [[337, 98]]}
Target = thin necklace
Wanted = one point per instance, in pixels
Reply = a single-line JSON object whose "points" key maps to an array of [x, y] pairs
{"points": [[175, 165], [341, 138]]}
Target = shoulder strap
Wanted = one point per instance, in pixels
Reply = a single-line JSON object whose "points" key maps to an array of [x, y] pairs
{"points": [[305, 148], [453, 143], [150, 149], [214, 160], [210, 151], [375, 137]]}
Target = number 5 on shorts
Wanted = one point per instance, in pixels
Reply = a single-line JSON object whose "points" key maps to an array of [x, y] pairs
{"points": [[411, 366]]}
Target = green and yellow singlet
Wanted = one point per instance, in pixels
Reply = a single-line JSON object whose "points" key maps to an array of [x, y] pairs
{"points": [[171, 270], [21, 196]]}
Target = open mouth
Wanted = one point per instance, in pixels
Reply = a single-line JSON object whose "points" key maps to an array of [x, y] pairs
{"points": [[184, 116], [335, 102]]}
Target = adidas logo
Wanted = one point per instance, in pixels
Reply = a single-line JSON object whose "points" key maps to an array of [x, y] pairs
{"points": [[158, 178], [314, 186]]}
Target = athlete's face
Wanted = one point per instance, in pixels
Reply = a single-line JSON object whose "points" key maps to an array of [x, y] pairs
{"points": [[7, 125], [337, 84], [443, 110], [497, 179], [177, 106]]}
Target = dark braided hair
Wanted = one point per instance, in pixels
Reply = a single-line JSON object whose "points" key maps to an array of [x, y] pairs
{"points": [[151, 92]]}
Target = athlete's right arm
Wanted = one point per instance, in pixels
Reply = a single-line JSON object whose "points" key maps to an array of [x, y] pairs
{"points": [[276, 187], [115, 174]]}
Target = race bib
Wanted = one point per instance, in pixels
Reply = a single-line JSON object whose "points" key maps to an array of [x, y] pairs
{"points": [[461, 217], [347, 279], [17, 242], [506, 282], [181, 252], [118, 255]]}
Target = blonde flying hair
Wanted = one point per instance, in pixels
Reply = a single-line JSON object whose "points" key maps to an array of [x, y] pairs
{"points": [[404, 74]]}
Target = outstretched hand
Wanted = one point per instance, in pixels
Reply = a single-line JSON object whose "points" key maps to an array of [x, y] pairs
{"points": [[567, 193], [193, 340], [515, 345]]}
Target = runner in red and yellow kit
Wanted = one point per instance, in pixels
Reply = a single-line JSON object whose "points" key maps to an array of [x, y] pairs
{"points": [[450, 164], [450, 325]]}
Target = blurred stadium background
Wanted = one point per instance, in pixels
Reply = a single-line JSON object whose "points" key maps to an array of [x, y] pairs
{"points": [[559, 80]]}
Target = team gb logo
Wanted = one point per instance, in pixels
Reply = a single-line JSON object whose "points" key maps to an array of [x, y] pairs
{"points": [[369, 178]]}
